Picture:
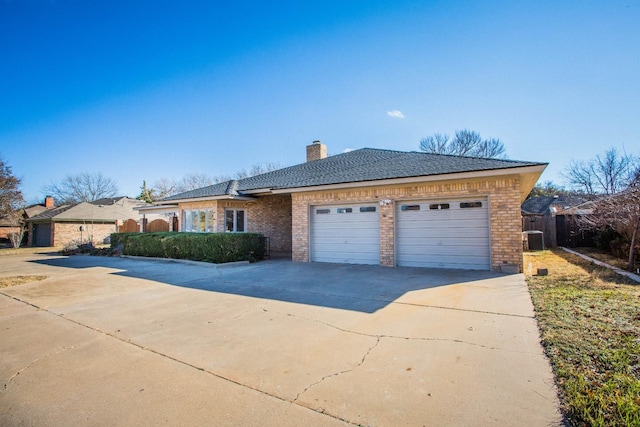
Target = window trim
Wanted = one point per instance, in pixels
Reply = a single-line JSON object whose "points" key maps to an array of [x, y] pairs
{"points": [[471, 205], [192, 220], [235, 220]]}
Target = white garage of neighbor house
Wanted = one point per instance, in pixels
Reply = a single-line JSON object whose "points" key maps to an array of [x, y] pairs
{"points": [[373, 206]]}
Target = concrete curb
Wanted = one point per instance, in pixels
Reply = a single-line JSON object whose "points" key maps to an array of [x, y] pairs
{"points": [[188, 262], [628, 274]]}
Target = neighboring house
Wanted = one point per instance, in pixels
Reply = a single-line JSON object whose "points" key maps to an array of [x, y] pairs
{"points": [[556, 217], [374, 206], [8, 226], [85, 221]]}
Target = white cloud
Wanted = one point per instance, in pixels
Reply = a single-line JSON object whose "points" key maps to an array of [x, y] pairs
{"points": [[396, 114], [346, 150]]}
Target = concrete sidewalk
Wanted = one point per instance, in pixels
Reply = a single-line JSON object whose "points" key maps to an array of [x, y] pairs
{"points": [[107, 341]]}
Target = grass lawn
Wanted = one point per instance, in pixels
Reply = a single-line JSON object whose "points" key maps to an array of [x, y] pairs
{"points": [[589, 319]]}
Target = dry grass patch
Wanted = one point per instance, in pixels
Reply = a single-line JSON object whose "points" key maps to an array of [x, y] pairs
{"points": [[5, 282], [604, 257], [589, 319], [27, 251]]}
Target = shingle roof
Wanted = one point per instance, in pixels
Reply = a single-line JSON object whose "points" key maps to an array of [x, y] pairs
{"points": [[541, 205], [366, 164], [99, 210]]}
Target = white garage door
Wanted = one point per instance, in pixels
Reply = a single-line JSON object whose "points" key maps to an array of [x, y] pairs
{"points": [[345, 233], [443, 234]]}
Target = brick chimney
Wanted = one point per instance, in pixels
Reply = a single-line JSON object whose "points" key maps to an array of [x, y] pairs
{"points": [[48, 202], [316, 151]]}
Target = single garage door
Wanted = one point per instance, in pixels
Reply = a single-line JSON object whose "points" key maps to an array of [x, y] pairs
{"points": [[345, 234], [443, 234], [42, 235]]}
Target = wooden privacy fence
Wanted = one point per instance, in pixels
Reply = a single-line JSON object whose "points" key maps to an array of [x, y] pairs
{"points": [[129, 226], [156, 225]]}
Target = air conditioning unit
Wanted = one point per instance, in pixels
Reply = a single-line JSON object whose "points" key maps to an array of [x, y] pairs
{"points": [[533, 240]]}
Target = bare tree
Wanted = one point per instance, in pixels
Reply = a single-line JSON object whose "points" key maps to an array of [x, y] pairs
{"points": [[436, 143], [194, 181], [257, 169], [465, 143], [11, 199], [166, 187], [621, 212], [11, 202], [606, 174], [84, 187]]}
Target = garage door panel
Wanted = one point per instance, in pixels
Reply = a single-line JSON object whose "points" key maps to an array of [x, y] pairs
{"points": [[451, 237], [352, 237], [444, 261], [443, 233], [338, 242], [351, 256]]}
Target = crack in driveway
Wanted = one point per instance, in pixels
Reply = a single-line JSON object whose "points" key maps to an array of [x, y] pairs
{"points": [[36, 360], [335, 374], [380, 336]]}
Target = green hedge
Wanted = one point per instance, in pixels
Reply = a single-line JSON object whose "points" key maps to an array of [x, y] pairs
{"points": [[209, 247]]}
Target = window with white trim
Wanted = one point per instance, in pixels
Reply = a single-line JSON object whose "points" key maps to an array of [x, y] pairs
{"points": [[198, 221], [235, 221]]}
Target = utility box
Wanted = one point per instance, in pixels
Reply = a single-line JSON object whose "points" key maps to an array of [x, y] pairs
{"points": [[533, 240]]}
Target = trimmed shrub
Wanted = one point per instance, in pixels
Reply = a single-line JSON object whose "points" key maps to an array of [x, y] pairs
{"points": [[209, 247]]}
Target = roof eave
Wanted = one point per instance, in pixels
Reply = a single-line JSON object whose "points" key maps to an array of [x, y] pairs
{"points": [[156, 207], [529, 175], [93, 220], [208, 198]]}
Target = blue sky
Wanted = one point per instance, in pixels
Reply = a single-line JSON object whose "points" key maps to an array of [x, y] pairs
{"points": [[143, 90]]}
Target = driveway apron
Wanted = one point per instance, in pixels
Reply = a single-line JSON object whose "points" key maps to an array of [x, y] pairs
{"points": [[146, 342]]}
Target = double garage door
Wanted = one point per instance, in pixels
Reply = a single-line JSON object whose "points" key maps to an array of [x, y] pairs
{"points": [[433, 234]]}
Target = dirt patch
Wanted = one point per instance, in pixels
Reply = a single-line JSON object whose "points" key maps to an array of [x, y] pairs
{"points": [[5, 282]]}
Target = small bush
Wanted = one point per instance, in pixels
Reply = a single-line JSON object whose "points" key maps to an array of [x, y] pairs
{"points": [[78, 247], [209, 247]]}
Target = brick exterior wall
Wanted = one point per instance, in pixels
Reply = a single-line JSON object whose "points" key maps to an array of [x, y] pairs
{"points": [[67, 232], [504, 212], [268, 215], [5, 231], [271, 216]]}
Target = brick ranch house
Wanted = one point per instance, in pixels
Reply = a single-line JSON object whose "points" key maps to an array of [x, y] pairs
{"points": [[86, 221], [373, 206], [9, 225]]}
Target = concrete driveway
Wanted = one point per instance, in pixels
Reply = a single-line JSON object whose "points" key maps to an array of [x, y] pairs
{"points": [[112, 341]]}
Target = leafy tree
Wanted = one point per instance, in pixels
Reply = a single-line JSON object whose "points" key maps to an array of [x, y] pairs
{"points": [[464, 143], [605, 174], [146, 194], [547, 188], [84, 187]]}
